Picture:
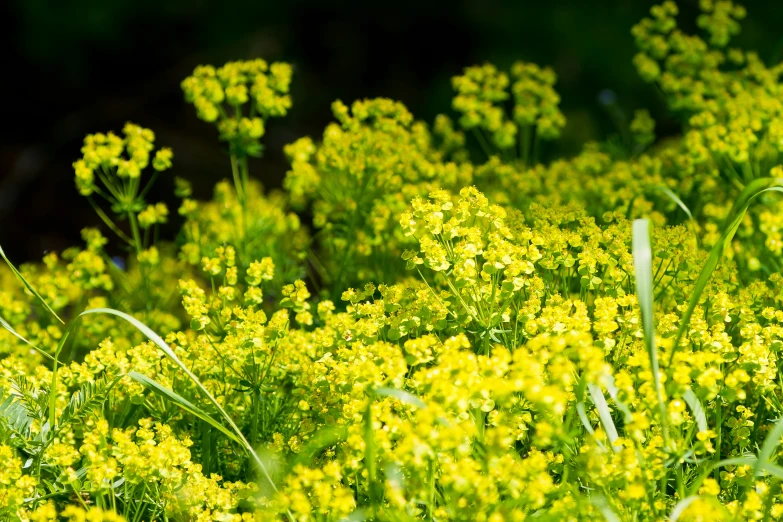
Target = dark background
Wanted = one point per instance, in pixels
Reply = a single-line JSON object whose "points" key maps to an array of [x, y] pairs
{"points": [[76, 67]]}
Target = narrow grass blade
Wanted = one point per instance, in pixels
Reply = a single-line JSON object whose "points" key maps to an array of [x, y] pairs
{"points": [[748, 460], [681, 506], [580, 411], [370, 453], [774, 470], [324, 438], [754, 189], [769, 446], [16, 334], [357, 516], [605, 509], [180, 401], [674, 197], [642, 261], [165, 348], [400, 395], [604, 414], [698, 412], [28, 285], [612, 389], [53, 388]]}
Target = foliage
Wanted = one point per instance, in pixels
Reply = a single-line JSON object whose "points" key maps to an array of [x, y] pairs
{"points": [[434, 336]]}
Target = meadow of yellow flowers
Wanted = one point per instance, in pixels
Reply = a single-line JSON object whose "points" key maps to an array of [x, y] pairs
{"points": [[408, 331]]}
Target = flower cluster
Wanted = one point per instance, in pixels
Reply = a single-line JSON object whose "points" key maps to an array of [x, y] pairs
{"points": [[222, 95], [482, 92], [456, 340], [359, 180], [730, 98]]}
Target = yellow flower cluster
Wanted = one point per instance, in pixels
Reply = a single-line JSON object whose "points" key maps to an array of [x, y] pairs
{"points": [[482, 92], [219, 95], [731, 100], [272, 231], [359, 179], [111, 157], [508, 374]]}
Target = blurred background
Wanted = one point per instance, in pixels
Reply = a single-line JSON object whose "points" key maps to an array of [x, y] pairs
{"points": [[72, 68]]}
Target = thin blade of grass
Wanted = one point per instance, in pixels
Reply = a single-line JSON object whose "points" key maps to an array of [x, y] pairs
{"points": [[642, 261], [166, 349], [613, 393], [28, 285], [754, 189], [370, 453], [674, 197], [324, 438], [698, 411], [178, 400], [53, 388], [582, 414], [400, 395], [604, 414], [580, 410], [748, 460], [605, 509], [681, 506], [774, 470], [16, 334], [769, 446]]}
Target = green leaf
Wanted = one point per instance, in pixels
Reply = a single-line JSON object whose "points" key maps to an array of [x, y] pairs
{"points": [[400, 395], [754, 189], [605, 509], [53, 386], [15, 416], [698, 412], [746, 460], [769, 446], [181, 402], [681, 506], [322, 439], [580, 410], [604, 414], [166, 349], [612, 389], [642, 262], [683, 206], [13, 332], [90, 396], [28, 285], [774, 470]]}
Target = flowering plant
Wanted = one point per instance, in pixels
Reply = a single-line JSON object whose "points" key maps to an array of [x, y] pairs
{"points": [[452, 336]]}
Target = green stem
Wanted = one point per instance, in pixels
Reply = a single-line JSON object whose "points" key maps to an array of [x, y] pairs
{"points": [[135, 231], [431, 502], [369, 452], [770, 498], [244, 174], [482, 142], [525, 145], [536, 148], [149, 184], [256, 399], [109, 223], [718, 425], [238, 186]]}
